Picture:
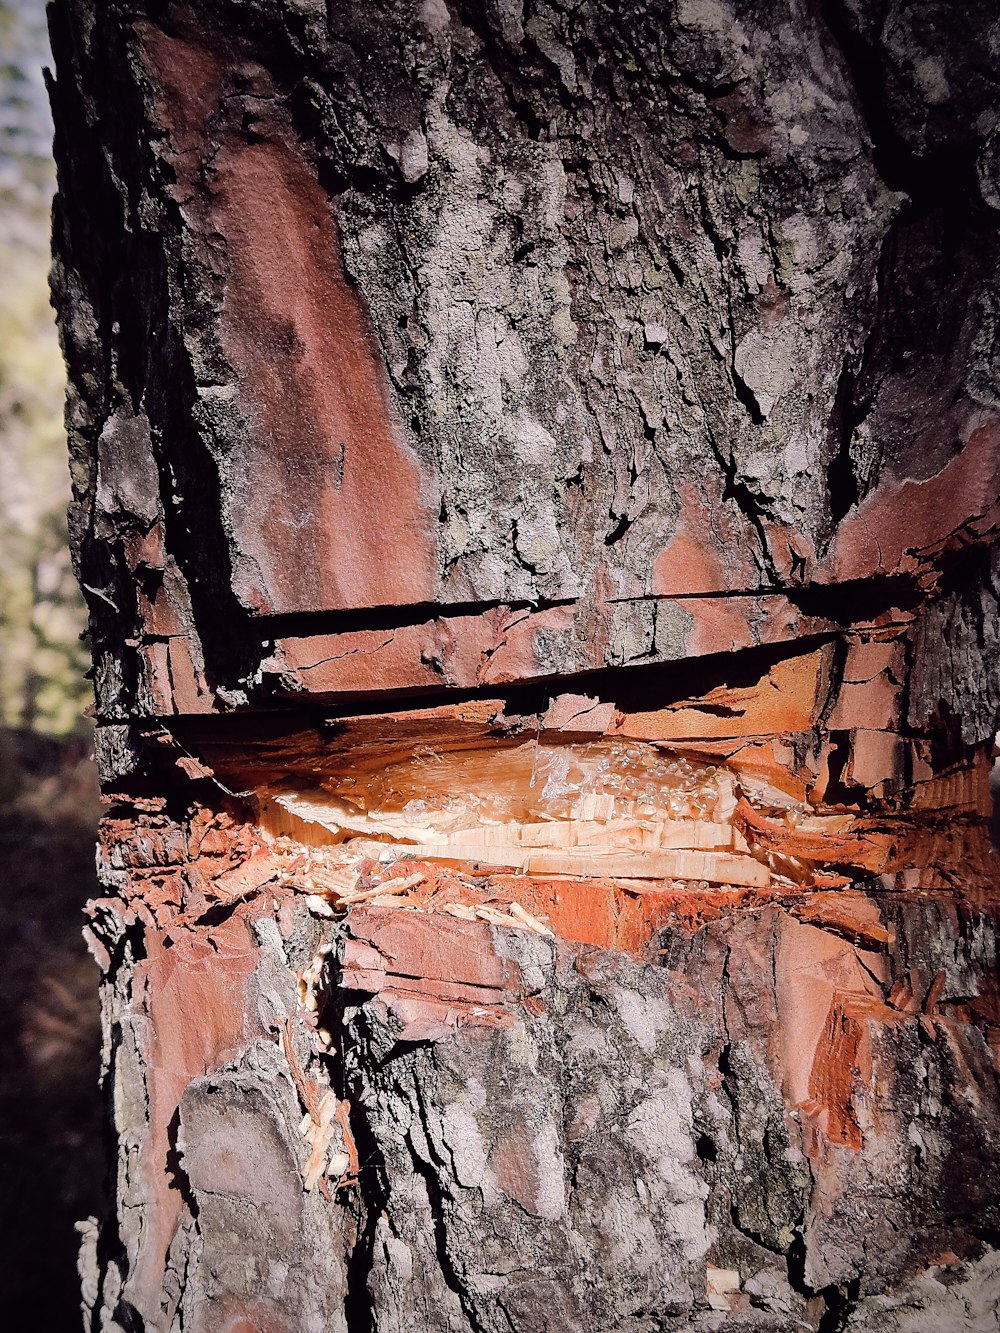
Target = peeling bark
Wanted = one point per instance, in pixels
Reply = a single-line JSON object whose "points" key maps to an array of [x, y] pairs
{"points": [[535, 482]]}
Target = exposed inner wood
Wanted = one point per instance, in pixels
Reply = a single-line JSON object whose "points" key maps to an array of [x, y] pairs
{"points": [[571, 811], [607, 808], [482, 824]]}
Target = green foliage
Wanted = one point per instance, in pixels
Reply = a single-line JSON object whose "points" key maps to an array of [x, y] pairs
{"points": [[42, 660]]}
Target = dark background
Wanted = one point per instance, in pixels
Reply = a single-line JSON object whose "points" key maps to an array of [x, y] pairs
{"points": [[51, 1140]]}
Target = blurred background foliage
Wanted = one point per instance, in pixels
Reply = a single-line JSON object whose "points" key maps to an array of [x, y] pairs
{"points": [[51, 1157], [42, 660]]}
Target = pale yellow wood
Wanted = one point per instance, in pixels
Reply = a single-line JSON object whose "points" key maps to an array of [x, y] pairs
{"points": [[713, 867], [828, 824], [618, 834]]}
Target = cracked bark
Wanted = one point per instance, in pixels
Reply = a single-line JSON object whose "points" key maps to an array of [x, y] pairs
{"points": [[535, 483]]}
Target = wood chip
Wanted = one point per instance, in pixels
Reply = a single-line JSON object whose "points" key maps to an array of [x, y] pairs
{"points": [[528, 921]]}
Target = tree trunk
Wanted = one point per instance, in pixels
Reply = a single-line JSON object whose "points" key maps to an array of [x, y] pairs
{"points": [[536, 475]]}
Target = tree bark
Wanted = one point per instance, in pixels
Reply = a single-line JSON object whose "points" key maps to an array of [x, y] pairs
{"points": [[535, 482]]}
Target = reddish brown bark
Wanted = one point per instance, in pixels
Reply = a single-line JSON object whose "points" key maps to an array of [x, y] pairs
{"points": [[536, 481]]}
